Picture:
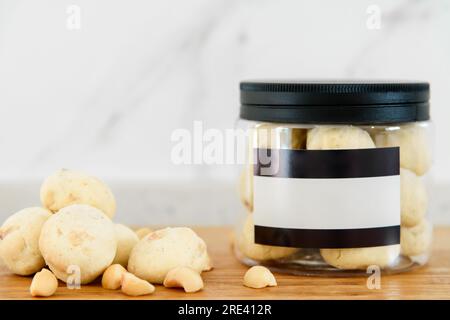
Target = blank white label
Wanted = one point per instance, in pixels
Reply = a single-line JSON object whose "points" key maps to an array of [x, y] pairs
{"points": [[346, 203]]}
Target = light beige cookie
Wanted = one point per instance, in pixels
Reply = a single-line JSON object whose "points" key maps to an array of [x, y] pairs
{"points": [[78, 237], [162, 250], [19, 240], [360, 258], [416, 240], [338, 137], [415, 149], [67, 187], [126, 240], [245, 242], [413, 198]]}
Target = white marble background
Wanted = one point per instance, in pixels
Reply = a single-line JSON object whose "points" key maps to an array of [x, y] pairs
{"points": [[105, 98]]}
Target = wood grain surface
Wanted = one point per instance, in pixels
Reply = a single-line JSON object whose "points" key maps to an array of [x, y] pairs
{"points": [[225, 280]]}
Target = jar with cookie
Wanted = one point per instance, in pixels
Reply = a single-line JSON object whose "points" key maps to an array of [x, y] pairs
{"points": [[336, 176]]}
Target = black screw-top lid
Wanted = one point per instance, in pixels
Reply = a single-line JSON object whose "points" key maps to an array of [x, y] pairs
{"points": [[336, 101]]}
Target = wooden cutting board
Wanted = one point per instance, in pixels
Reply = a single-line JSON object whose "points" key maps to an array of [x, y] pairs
{"points": [[225, 281]]}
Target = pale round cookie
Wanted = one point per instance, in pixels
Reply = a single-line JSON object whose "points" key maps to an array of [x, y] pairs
{"points": [[360, 258], [415, 149], [67, 187], [19, 240], [245, 242], [416, 240], [126, 240], [338, 137], [162, 250], [78, 236], [413, 198]]}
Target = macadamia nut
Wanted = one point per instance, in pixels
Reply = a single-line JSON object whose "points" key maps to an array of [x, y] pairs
{"points": [[44, 284], [162, 250], [78, 236], [19, 240], [338, 137], [246, 244], [415, 150], [413, 198], [416, 240], [67, 187], [360, 258], [126, 240], [112, 277], [133, 286], [258, 277], [183, 277]]}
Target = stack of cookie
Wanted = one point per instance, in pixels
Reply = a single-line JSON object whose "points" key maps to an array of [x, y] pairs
{"points": [[74, 236]]}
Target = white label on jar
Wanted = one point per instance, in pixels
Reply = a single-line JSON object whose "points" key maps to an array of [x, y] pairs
{"points": [[327, 198]]}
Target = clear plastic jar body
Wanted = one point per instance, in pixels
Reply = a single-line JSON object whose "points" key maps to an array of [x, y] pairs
{"points": [[332, 186]]}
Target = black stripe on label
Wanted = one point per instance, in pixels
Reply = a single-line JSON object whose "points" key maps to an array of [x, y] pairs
{"points": [[316, 164], [328, 238]]}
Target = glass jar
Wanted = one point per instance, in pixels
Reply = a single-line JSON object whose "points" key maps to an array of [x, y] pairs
{"points": [[335, 177]]}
